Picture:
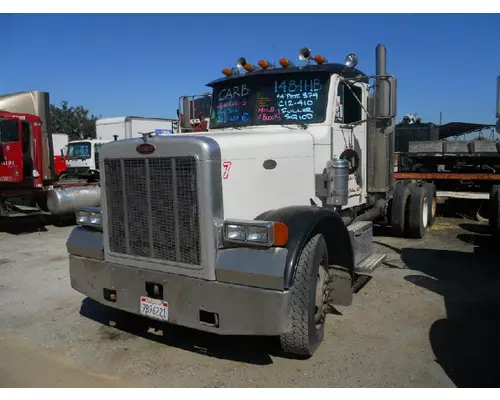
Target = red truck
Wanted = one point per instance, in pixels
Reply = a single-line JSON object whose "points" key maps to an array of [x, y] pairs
{"points": [[29, 184]]}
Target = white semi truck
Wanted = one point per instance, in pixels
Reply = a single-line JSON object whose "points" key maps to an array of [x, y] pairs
{"points": [[261, 225]]}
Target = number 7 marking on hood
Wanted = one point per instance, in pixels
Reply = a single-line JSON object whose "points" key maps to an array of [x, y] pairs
{"points": [[227, 166]]}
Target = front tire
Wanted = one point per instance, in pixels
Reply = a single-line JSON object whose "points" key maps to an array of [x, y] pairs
{"points": [[309, 296]]}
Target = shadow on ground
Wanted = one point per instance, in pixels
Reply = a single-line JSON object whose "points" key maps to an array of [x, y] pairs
{"points": [[22, 225], [251, 350], [465, 343], [25, 225]]}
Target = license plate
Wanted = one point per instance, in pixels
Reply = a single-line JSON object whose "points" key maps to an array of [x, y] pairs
{"points": [[154, 308]]}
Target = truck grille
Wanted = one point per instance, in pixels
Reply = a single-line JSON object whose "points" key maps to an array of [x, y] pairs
{"points": [[152, 208]]}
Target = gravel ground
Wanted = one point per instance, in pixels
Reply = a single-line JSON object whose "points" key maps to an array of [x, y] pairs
{"points": [[428, 318]]}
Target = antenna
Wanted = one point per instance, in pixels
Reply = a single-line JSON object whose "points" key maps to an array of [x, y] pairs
{"points": [[274, 53]]}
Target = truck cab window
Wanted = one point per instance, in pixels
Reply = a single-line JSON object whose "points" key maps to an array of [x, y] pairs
{"points": [[78, 150], [274, 99], [348, 109], [9, 131]]}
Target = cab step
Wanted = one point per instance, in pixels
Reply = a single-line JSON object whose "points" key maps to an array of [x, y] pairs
{"points": [[369, 264], [365, 261]]}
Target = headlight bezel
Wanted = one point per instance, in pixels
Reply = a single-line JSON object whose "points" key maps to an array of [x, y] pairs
{"points": [[252, 230], [89, 217]]}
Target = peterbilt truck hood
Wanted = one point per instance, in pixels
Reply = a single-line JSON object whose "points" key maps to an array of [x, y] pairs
{"points": [[264, 170]]}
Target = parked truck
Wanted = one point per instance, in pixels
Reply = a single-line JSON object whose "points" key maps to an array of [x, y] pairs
{"points": [[494, 214], [263, 224], [83, 155], [29, 184], [82, 158], [196, 113]]}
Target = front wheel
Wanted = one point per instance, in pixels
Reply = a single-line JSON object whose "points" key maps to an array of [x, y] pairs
{"points": [[309, 297]]}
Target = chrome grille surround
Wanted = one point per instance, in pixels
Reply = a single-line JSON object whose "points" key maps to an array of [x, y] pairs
{"points": [[161, 210]]}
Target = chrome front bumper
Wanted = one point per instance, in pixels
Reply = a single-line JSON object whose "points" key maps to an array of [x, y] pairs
{"points": [[241, 310]]}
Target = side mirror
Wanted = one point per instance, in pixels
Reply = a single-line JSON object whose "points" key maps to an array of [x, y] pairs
{"points": [[386, 98], [62, 153]]}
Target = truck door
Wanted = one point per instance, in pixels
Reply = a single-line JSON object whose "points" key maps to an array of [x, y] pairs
{"points": [[11, 151]]}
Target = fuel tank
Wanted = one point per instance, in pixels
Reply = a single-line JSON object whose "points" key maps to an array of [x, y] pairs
{"points": [[63, 201]]}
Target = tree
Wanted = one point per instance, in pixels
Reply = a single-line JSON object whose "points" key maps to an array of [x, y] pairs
{"points": [[75, 121]]}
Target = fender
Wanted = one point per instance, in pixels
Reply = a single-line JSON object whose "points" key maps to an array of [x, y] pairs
{"points": [[305, 221]]}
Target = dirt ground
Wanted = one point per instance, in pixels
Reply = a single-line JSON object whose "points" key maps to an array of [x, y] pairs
{"points": [[428, 318]]}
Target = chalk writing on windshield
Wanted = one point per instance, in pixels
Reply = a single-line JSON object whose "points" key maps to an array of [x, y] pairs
{"points": [[233, 105]]}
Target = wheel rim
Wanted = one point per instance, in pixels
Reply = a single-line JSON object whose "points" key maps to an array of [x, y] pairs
{"points": [[425, 213], [321, 295], [434, 206]]}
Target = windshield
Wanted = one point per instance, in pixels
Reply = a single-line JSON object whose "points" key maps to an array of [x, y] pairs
{"points": [[79, 150], [9, 131], [278, 99]]}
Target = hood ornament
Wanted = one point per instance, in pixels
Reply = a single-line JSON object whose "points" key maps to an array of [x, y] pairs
{"points": [[145, 136]]}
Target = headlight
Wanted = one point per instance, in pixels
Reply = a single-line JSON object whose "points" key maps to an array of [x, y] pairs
{"points": [[89, 216], [258, 233]]}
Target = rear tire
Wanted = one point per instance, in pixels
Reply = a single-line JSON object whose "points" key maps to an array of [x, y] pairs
{"points": [[309, 296], [417, 216], [494, 217], [398, 209], [430, 190]]}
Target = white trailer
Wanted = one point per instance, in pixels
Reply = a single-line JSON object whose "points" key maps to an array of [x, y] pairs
{"points": [[132, 127], [59, 143], [261, 225]]}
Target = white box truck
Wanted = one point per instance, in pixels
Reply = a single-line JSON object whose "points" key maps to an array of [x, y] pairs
{"points": [[132, 127]]}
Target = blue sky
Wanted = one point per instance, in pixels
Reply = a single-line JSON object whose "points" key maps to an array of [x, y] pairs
{"points": [[118, 65]]}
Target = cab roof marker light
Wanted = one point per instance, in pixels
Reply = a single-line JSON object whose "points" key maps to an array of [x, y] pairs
{"points": [[285, 63], [265, 64], [250, 67], [230, 72], [320, 60]]}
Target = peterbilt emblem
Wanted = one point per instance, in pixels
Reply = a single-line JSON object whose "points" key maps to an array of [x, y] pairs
{"points": [[146, 148]]}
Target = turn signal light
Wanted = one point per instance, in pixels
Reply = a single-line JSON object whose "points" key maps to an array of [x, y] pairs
{"points": [[280, 233]]}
